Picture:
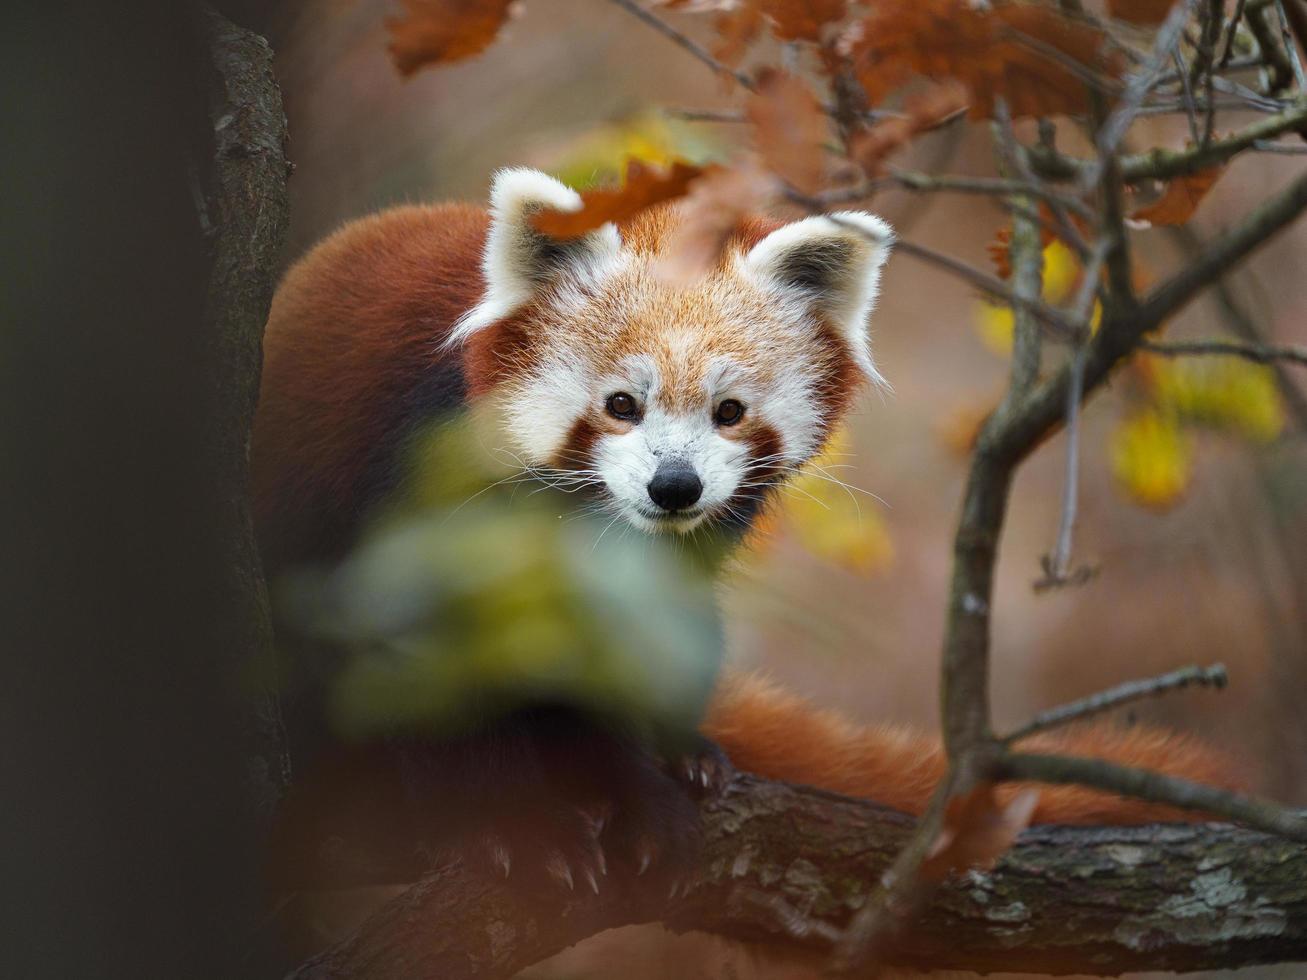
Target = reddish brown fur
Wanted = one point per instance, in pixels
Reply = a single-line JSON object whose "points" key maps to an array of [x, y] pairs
{"points": [[359, 321], [354, 326], [773, 733]]}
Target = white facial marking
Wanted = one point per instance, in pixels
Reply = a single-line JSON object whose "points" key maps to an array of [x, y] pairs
{"points": [[760, 331]]}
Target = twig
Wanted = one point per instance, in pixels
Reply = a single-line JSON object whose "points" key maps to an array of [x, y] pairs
{"points": [[686, 42], [1096, 704], [1026, 257], [1137, 88], [1231, 30], [707, 115], [1271, 146], [1269, 44], [1060, 325], [1163, 164], [1290, 47], [1188, 100], [949, 183], [1261, 353], [1156, 788], [1057, 565]]}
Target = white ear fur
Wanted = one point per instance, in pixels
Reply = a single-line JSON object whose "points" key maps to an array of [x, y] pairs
{"points": [[833, 262], [518, 260]]}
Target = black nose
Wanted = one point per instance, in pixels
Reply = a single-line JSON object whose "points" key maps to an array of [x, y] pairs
{"points": [[675, 486]]}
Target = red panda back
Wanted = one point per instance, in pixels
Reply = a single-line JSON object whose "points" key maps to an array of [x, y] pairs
{"points": [[352, 349]]}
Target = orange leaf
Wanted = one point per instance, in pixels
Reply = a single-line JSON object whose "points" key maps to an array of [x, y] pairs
{"points": [[921, 111], [789, 129], [1021, 52], [736, 30], [435, 31], [644, 187], [978, 830], [1147, 12], [1180, 199], [718, 202], [802, 20]]}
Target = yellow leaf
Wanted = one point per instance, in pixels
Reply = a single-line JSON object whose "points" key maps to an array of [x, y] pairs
{"points": [[994, 321], [1151, 458], [833, 522], [1224, 392], [599, 155]]}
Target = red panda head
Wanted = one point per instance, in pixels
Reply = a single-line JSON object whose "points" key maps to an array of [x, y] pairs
{"points": [[681, 404]]}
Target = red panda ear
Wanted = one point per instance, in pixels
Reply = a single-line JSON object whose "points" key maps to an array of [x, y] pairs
{"points": [[831, 262], [519, 261]]}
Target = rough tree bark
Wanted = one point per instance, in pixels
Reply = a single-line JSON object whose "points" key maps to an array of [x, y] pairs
{"points": [[790, 865], [245, 214]]}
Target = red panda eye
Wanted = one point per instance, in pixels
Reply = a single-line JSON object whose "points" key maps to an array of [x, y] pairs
{"points": [[622, 406], [729, 412]]}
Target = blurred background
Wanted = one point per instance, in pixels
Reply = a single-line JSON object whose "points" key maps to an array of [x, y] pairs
{"points": [[127, 844], [1199, 532]]}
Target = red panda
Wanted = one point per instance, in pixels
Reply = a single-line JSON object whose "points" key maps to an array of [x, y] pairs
{"points": [[688, 403]]}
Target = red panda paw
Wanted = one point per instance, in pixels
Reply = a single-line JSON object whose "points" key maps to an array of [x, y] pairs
{"points": [[555, 849], [704, 768]]}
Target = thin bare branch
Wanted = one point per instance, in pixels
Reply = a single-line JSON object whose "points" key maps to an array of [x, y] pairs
{"points": [[686, 42], [1286, 36], [1157, 788], [1261, 353], [1061, 326], [1164, 164], [1140, 83], [1116, 697]]}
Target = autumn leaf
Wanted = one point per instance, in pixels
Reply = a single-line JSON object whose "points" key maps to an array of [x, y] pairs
{"points": [[996, 323], [979, 828], [802, 20], [717, 203], [1222, 392], [432, 32], [828, 519], [789, 129], [1152, 458], [993, 50], [736, 29], [922, 111], [643, 187], [1180, 199]]}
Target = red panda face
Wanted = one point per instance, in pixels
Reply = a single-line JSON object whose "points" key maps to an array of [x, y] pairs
{"points": [[677, 404]]}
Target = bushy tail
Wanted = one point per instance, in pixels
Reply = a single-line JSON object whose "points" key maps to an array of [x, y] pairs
{"points": [[770, 732]]}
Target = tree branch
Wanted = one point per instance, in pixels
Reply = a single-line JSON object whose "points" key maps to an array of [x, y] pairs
{"points": [[788, 865], [1261, 353], [1095, 704]]}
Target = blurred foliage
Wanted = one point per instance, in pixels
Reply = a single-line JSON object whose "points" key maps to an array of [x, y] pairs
{"points": [[827, 517], [485, 589], [995, 323], [1226, 393], [1152, 457], [1152, 452], [599, 156]]}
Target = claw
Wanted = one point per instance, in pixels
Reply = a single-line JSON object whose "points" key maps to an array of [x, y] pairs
{"points": [[560, 870], [501, 859], [645, 852], [601, 860], [590, 880]]}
